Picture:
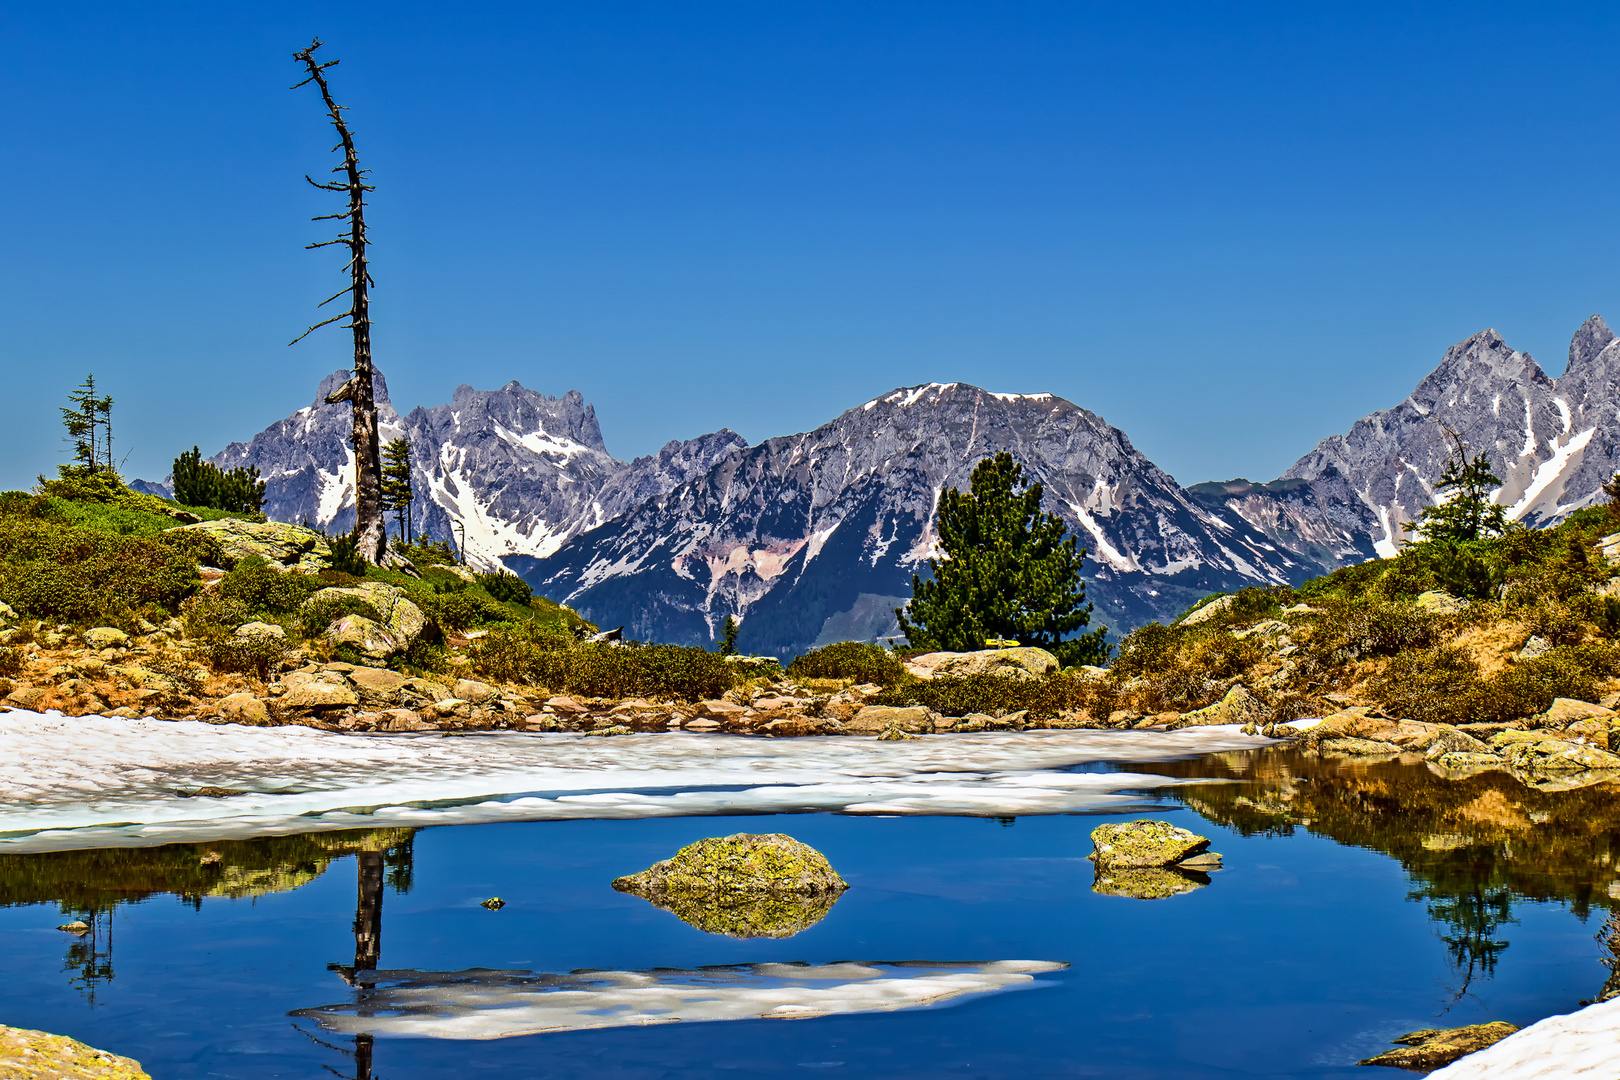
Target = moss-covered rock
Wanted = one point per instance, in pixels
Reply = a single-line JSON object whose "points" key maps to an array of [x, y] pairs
{"points": [[741, 864], [27, 1054], [1434, 1047], [292, 547], [1148, 843], [744, 885]]}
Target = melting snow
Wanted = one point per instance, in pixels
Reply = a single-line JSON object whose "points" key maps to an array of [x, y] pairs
{"points": [[1549, 471], [1385, 546], [1583, 1044], [484, 1004], [84, 782], [1109, 553]]}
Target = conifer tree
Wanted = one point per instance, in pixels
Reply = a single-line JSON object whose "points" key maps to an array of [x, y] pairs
{"points": [[1009, 571], [89, 427], [397, 492], [1466, 512], [728, 637]]}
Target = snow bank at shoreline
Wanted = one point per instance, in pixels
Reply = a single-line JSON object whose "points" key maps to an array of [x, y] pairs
{"points": [[1585, 1043], [86, 782]]}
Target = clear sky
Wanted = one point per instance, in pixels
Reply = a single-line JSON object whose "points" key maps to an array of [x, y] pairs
{"points": [[1230, 229]]}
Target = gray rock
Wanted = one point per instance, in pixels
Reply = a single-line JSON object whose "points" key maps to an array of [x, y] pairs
{"points": [[1440, 603], [261, 630], [1022, 662], [1534, 648], [1216, 607], [290, 547], [105, 637], [875, 719]]}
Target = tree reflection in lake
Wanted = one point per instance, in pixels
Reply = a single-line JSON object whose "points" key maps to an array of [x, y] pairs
{"points": [[89, 886], [1472, 846]]}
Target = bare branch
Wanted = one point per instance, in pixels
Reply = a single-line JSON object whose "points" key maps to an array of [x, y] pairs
{"points": [[334, 296], [318, 325]]}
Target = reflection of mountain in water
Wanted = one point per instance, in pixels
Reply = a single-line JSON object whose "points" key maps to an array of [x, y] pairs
{"points": [[1472, 846], [486, 1004]]}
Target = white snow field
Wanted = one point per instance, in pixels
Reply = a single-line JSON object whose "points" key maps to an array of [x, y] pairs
{"points": [[484, 1004], [1582, 1045], [85, 782]]}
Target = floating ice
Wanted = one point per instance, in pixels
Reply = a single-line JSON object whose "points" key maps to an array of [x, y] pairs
{"points": [[105, 782], [485, 1004]]}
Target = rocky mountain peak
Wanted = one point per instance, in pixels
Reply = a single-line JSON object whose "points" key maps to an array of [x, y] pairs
{"points": [[379, 388], [1589, 341]]}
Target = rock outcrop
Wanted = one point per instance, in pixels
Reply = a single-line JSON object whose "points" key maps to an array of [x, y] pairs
{"points": [[1434, 1047], [1022, 662], [38, 1055], [742, 885], [291, 547], [1134, 845]]}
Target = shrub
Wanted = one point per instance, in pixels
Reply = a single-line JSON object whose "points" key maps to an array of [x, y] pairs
{"points": [[1044, 697], [264, 589], [11, 660], [259, 656], [1349, 631], [1443, 685], [858, 660], [202, 483], [317, 618], [211, 617], [346, 557], [1428, 685], [426, 553], [460, 610], [199, 547], [1248, 605], [84, 575], [526, 654], [504, 586], [1181, 667]]}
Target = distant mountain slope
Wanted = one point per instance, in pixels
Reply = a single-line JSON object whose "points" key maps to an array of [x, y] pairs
{"points": [[814, 537], [517, 470], [1552, 441]]}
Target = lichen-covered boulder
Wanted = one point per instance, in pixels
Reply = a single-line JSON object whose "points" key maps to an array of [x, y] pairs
{"points": [[1434, 1047], [291, 547], [261, 631], [1440, 603], [399, 622], [105, 637], [324, 691], [1218, 606], [1022, 662], [28, 1054], [876, 719], [744, 885], [1237, 706], [474, 691], [1566, 711], [1148, 843], [1557, 755], [243, 708]]}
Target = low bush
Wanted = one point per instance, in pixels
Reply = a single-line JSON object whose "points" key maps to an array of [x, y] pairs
{"points": [[465, 609], [1347, 631], [858, 660], [425, 553], [1443, 685], [346, 555], [1181, 668], [11, 660], [82, 575], [1043, 698], [504, 586], [211, 617], [264, 589], [258, 656], [530, 655]]}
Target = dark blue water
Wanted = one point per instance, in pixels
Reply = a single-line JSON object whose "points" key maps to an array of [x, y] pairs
{"points": [[1300, 958]]}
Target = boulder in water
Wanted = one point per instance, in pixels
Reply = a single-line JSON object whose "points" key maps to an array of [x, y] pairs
{"points": [[1434, 1047], [1133, 845]]}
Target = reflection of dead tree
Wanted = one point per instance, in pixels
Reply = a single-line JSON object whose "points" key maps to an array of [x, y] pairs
{"points": [[367, 946], [90, 954], [1609, 936]]}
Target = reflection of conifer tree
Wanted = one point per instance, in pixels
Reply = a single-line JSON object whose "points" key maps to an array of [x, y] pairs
{"points": [[1609, 936], [1472, 918], [89, 955]]}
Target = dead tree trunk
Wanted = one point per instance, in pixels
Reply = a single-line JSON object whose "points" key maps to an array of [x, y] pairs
{"points": [[370, 535]]}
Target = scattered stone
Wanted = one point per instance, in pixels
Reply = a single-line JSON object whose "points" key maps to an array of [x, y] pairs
{"points": [[1451, 741], [569, 705], [399, 621], [27, 1054], [212, 793], [895, 734], [27, 697], [876, 719], [244, 708], [1267, 628], [7, 613], [612, 729], [1534, 648], [1238, 706], [474, 691], [1147, 843], [289, 547], [701, 725], [541, 722], [401, 720], [1466, 761], [379, 683], [1565, 711], [105, 637], [1440, 603], [1219, 606], [319, 694], [1609, 546], [1434, 1047], [494, 903]]}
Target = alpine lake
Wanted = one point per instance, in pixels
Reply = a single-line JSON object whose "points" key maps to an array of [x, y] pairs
{"points": [[1359, 901]]}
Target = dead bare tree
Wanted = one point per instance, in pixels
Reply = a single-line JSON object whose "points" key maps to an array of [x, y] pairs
{"points": [[370, 536]]}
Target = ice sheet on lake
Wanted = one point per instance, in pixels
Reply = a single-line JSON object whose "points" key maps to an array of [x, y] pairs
{"points": [[1582, 1045], [81, 782], [484, 1004]]}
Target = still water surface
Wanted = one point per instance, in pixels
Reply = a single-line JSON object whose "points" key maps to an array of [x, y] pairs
{"points": [[1404, 903]]}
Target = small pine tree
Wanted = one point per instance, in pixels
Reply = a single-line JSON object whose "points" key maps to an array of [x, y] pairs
{"points": [[89, 427], [728, 637], [397, 492], [1468, 513], [202, 483], [1611, 491], [1009, 571]]}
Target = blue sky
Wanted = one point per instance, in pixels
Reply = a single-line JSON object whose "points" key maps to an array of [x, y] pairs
{"points": [[1229, 229]]}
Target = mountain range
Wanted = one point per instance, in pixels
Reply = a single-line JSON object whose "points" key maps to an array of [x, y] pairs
{"points": [[814, 537]]}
